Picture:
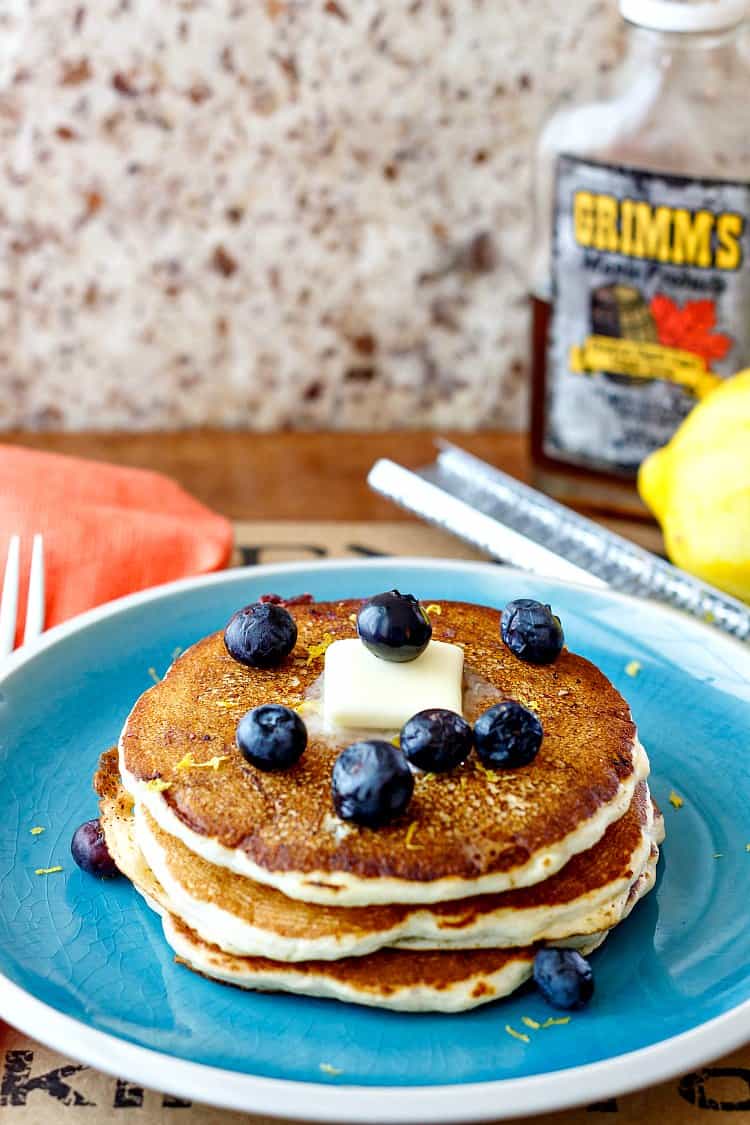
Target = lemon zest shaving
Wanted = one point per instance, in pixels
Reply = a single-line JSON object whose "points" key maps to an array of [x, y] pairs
{"points": [[175, 653], [434, 608], [633, 668], [189, 762], [410, 831], [37, 830], [489, 774], [718, 855], [154, 675], [158, 784], [517, 1034], [332, 1070], [747, 847], [308, 706], [530, 1022], [314, 651], [675, 800], [555, 1022], [48, 870], [353, 618], [709, 617], [225, 704], [396, 741]]}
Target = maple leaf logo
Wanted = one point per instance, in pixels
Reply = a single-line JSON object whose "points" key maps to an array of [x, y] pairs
{"points": [[690, 328]]}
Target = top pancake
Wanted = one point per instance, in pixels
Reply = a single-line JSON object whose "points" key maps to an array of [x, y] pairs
{"points": [[465, 832]]}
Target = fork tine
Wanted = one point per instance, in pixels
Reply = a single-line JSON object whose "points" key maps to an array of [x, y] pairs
{"points": [[35, 601], [9, 600]]}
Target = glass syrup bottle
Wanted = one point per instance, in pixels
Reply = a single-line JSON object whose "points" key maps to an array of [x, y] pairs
{"points": [[641, 256]]}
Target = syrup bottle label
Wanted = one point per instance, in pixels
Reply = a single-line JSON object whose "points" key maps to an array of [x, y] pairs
{"points": [[650, 307]]}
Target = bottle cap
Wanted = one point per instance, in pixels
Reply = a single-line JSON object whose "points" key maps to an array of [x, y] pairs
{"points": [[685, 15]]}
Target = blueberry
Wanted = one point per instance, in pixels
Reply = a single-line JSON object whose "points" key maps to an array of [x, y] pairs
{"points": [[272, 737], [507, 736], [89, 849], [394, 627], [371, 783], [564, 978], [436, 740], [531, 631], [261, 635]]}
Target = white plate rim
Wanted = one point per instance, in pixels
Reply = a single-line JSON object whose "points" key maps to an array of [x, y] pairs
{"points": [[317, 1101]]}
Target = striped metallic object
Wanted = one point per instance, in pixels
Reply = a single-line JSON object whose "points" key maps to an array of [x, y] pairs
{"points": [[515, 523]]}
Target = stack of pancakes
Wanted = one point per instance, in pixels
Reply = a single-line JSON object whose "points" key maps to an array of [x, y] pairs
{"points": [[258, 883]]}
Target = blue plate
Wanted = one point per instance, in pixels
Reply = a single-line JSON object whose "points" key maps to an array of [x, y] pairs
{"points": [[85, 968]]}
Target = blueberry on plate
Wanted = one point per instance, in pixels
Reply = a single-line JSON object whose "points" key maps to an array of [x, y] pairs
{"points": [[507, 736], [394, 626], [564, 978], [261, 635], [89, 849], [531, 631], [271, 737], [371, 783], [436, 740]]}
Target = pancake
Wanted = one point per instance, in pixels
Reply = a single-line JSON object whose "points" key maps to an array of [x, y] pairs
{"points": [[391, 978], [397, 979], [465, 833], [245, 918]]}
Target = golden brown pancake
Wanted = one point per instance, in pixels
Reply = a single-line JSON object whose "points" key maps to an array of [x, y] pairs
{"points": [[467, 826], [243, 917], [514, 827], [396, 979]]}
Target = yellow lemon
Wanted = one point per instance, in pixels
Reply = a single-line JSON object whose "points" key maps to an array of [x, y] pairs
{"points": [[698, 487]]}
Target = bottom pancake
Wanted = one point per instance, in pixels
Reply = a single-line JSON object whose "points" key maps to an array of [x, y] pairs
{"points": [[398, 979], [390, 978]]}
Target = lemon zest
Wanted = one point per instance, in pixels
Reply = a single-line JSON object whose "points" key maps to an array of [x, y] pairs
{"points": [[189, 762], [37, 830], [434, 608], [489, 774], [747, 847], [718, 855], [517, 1034], [633, 668], [308, 706], [353, 618], [396, 741], [332, 1070], [158, 784], [530, 1023], [555, 1022], [314, 651], [675, 800], [709, 618], [410, 831], [48, 870], [154, 675], [175, 653]]}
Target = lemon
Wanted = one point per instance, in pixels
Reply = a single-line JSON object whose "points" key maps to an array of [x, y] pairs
{"points": [[698, 487]]}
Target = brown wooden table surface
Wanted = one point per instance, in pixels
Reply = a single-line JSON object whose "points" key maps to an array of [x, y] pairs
{"points": [[294, 476]]}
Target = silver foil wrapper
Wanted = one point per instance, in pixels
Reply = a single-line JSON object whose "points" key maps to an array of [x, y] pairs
{"points": [[523, 527]]}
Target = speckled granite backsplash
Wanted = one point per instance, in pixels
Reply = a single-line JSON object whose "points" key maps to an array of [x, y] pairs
{"points": [[272, 213]]}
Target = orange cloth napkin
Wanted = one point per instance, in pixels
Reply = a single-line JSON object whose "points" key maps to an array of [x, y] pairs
{"points": [[108, 531]]}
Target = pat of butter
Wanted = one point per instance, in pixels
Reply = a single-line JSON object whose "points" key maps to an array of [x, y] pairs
{"points": [[360, 690]]}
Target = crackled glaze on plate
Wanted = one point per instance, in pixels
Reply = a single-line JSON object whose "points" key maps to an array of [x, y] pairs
{"points": [[83, 962]]}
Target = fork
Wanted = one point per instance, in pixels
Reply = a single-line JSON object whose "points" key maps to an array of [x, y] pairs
{"points": [[9, 600]]}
